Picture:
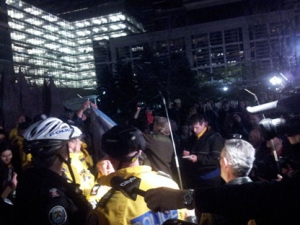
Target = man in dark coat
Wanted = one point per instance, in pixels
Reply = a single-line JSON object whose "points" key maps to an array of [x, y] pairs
{"points": [[201, 166]]}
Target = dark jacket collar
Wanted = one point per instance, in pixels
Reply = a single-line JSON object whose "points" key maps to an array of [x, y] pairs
{"points": [[240, 180]]}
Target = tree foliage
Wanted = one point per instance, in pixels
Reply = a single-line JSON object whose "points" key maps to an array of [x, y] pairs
{"points": [[145, 78]]}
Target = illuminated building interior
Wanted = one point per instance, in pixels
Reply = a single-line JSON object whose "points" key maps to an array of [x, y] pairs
{"points": [[45, 45]]}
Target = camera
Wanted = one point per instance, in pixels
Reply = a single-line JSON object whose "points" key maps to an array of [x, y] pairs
{"points": [[287, 124], [278, 126]]}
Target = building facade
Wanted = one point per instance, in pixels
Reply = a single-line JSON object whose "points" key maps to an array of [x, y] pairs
{"points": [[44, 45], [74, 53], [248, 48]]}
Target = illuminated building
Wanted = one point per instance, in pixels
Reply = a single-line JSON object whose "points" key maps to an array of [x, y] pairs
{"points": [[44, 45]]}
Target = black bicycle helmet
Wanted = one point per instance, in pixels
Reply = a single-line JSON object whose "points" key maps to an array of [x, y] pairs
{"points": [[119, 141]]}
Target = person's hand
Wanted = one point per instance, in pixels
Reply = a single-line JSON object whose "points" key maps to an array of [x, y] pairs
{"points": [[294, 139], [14, 180], [93, 105], [105, 167], [186, 155], [192, 158], [279, 177], [163, 199], [85, 105]]}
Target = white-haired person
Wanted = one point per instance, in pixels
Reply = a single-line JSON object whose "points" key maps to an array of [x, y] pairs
{"points": [[236, 161]]}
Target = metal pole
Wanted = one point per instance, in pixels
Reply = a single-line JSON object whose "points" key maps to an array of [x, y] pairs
{"points": [[172, 139]]}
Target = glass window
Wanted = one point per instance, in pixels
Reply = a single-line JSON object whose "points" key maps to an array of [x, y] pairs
{"points": [[258, 31], [217, 55], [233, 35], [200, 41], [123, 53], [201, 57], [261, 49], [137, 51], [234, 53], [216, 38], [177, 45], [162, 47]]}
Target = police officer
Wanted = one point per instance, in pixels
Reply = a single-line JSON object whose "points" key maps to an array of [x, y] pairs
{"points": [[43, 196], [123, 146]]}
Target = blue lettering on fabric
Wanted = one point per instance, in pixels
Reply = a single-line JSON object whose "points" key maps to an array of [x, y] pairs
{"points": [[152, 218], [59, 131]]}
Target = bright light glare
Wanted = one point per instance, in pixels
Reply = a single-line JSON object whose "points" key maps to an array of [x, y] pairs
{"points": [[225, 88], [275, 80]]}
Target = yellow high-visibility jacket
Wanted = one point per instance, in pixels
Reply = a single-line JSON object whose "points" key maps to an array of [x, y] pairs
{"points": [[120, 210]]}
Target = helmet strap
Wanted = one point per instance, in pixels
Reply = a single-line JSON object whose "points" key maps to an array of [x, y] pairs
{"points": [[133, 158], [129, 159], [68, 162]]}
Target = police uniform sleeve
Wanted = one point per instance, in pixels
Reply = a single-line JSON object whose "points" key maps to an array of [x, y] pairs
{"points": [[58, 208], [66, 207]]}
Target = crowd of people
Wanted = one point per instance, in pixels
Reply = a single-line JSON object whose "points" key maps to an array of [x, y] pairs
{"points": [[50, 175]]}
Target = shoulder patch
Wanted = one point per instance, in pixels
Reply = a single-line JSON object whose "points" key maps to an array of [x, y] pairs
{"points": [[57, 215], [53, 193]]}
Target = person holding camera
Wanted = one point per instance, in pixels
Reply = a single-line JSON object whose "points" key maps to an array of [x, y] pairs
{"points": [[82, 120], [145, 120]]}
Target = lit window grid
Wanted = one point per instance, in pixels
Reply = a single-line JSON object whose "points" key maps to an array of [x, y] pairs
{"points": [[217, 48], [231, 44], [270, 41], [38, 30]]}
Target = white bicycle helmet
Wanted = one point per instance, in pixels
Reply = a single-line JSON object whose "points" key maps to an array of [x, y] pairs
{"points": [[49, 129], [77, 133], [46, 137]]}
